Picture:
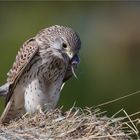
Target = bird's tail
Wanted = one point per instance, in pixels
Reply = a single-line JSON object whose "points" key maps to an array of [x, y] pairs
{"points": [[4, 89]]}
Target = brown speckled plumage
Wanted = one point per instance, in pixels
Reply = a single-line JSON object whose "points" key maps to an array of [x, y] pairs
{"points": [[42, 65], [24, 55]]}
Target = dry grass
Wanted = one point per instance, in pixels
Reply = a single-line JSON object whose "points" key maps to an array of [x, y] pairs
{"points": [[75, 124]]}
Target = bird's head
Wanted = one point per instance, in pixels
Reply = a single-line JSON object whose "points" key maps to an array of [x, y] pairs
{"points": [[66, 40], [61, 38]]}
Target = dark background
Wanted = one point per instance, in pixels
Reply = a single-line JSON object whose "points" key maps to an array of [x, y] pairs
{"points": [[110, 54]]}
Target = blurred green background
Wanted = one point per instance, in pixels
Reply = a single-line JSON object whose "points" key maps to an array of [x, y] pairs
{"points": [[110, 54]]}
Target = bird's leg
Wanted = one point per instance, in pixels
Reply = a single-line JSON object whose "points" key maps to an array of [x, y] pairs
{"points": [[4, 89]]}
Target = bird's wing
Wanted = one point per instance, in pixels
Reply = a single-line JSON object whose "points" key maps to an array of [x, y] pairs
{"points": [[24, 56]]}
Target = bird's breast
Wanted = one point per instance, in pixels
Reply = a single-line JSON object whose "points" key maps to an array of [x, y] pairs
{"points": [[41, 84], [43, 93], [43, 89]]}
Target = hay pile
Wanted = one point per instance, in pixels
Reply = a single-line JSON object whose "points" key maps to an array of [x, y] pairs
{"points": [[75, 124]]}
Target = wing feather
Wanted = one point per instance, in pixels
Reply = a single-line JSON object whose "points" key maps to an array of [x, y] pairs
{"points": [[24, 56]]}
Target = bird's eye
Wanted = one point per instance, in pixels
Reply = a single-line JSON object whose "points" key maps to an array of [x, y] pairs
{"points": [[64, 45]]}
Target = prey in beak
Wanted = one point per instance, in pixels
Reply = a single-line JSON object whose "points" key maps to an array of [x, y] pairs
{"points": [[74, 63]]}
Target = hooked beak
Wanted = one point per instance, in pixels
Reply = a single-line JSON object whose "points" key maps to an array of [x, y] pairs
{"points": [[70, 55]]}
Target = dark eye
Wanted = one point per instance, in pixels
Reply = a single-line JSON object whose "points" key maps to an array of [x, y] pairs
{"points": [[64, 45]]}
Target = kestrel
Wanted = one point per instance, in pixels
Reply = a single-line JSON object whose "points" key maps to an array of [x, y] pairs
{"points": [[41, 67]]}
